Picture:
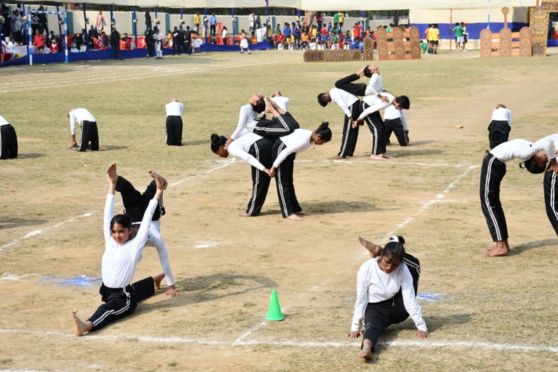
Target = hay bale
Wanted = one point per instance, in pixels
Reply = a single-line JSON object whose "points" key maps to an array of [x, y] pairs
{"points": [[313, 56], [332, 55]]}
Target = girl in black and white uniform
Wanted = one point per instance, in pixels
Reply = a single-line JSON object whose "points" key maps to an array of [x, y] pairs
{"points": [[122, 254], [386, 293], [8, 140], [256, 151], [284, 153], [493, 171]]}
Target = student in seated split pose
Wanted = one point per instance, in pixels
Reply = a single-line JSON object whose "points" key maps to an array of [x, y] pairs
{"points": [[135, 205], [386, 293], [256, 151], [284, 153], [122, 254], [493, 171]]}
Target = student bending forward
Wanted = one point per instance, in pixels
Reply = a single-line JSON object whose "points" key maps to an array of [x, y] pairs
{"points": [[122, 254]]}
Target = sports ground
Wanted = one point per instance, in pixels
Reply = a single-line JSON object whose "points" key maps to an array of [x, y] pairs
{"points": [[483, 313]]}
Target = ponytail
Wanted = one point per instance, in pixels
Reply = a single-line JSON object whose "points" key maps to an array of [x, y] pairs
{"points": [[324, 132]]}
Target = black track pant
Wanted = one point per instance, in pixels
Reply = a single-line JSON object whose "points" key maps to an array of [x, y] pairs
{"points": [[378, 316], [396, 126], [174, 130], [135, 203], [492, 173], [120, 302], [346, 83], [89, 135], [498, 132], [276, 127], [350, 134], [550, 200], [285, 182], [8, 142], [261, 150], [378, 131]]}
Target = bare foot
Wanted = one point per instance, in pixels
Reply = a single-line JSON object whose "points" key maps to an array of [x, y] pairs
{"points": [[386, 156], [157, 281], [73, 145], [377, 157], [80, 327], [498, 252], [159, 180], [294, 217], [374, 249], [366, 352], [244, 214], [112, 176]]}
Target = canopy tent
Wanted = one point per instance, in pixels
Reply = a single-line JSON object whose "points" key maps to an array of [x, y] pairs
{"points": [[318, 5]]}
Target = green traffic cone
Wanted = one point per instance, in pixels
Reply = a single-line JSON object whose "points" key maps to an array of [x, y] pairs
{"points": [[274, 311]]}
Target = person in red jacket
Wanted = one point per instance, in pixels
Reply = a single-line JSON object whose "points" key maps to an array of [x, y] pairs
{"points": [[39, 41]]}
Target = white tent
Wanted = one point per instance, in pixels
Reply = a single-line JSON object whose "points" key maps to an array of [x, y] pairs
{"points": [[323, 5]]}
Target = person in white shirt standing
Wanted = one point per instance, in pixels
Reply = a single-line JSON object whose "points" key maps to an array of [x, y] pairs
{"points": [[8, 140], [121, 256], [284, 152], [174, 111], [493, 170], [386, 294], [89, 132], [500, 125]]}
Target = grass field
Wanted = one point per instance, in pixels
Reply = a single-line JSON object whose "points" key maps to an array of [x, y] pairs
{"points": [[483, 313]]}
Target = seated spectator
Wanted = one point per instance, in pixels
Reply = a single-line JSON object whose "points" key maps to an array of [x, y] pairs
{"points": [[127, 42], [304, 40], [54, 47]]}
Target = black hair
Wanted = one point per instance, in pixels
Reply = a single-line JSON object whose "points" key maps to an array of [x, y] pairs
{"points": [[324, 132], [322, 99], [394, 250], [403, 102], [259, 106], [532, 166], [217, 141], [367, 72], [123, 220]]}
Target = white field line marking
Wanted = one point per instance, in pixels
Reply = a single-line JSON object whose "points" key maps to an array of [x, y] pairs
{"points": [[91, 213], [428, 344], [437, 199], [137, 75]]}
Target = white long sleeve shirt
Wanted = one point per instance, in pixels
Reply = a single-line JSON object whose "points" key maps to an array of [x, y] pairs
{"points": [[502, 114], [174, 108], [297, 141], [119, 261], [375, 85], [523, 149], [155, 239], [240, 148], [247, 120], [78, 116], [391, 113], [3, 121], [375, 285], [343, 99], [375, 103]]}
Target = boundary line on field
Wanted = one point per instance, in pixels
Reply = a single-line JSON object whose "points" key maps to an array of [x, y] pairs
{"points": [[91, 213], [424, 344]]}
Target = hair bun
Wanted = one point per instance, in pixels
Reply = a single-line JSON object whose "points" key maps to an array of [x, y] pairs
{"points": [[214, 138]]}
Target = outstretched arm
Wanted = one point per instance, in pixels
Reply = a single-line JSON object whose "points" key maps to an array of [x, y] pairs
{"points": [[109, 203]]}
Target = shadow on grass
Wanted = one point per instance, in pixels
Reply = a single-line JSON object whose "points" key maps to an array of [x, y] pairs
{"points": [[197, 142], [112, 147], [407, 152], [337, 206], [210, 288], [16, 222], [530, 245], [395, 144], [32, 155]]}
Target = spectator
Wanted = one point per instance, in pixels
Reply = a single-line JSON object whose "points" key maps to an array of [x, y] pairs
{"points": [[17, 26], [39, 41], [465, 34], [187, 35], [224, 35], [115, 43], [159, 39], [197, 22], [42, 21], [150, 41], [297, 35], [54, 47], [336, 20], [244, 43], [252, 23], [100, 22], [319, 20], [341, 20], [258, 22], [212, 25], [148, 23], [127, 42], [458, 35], [176, 46]]}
